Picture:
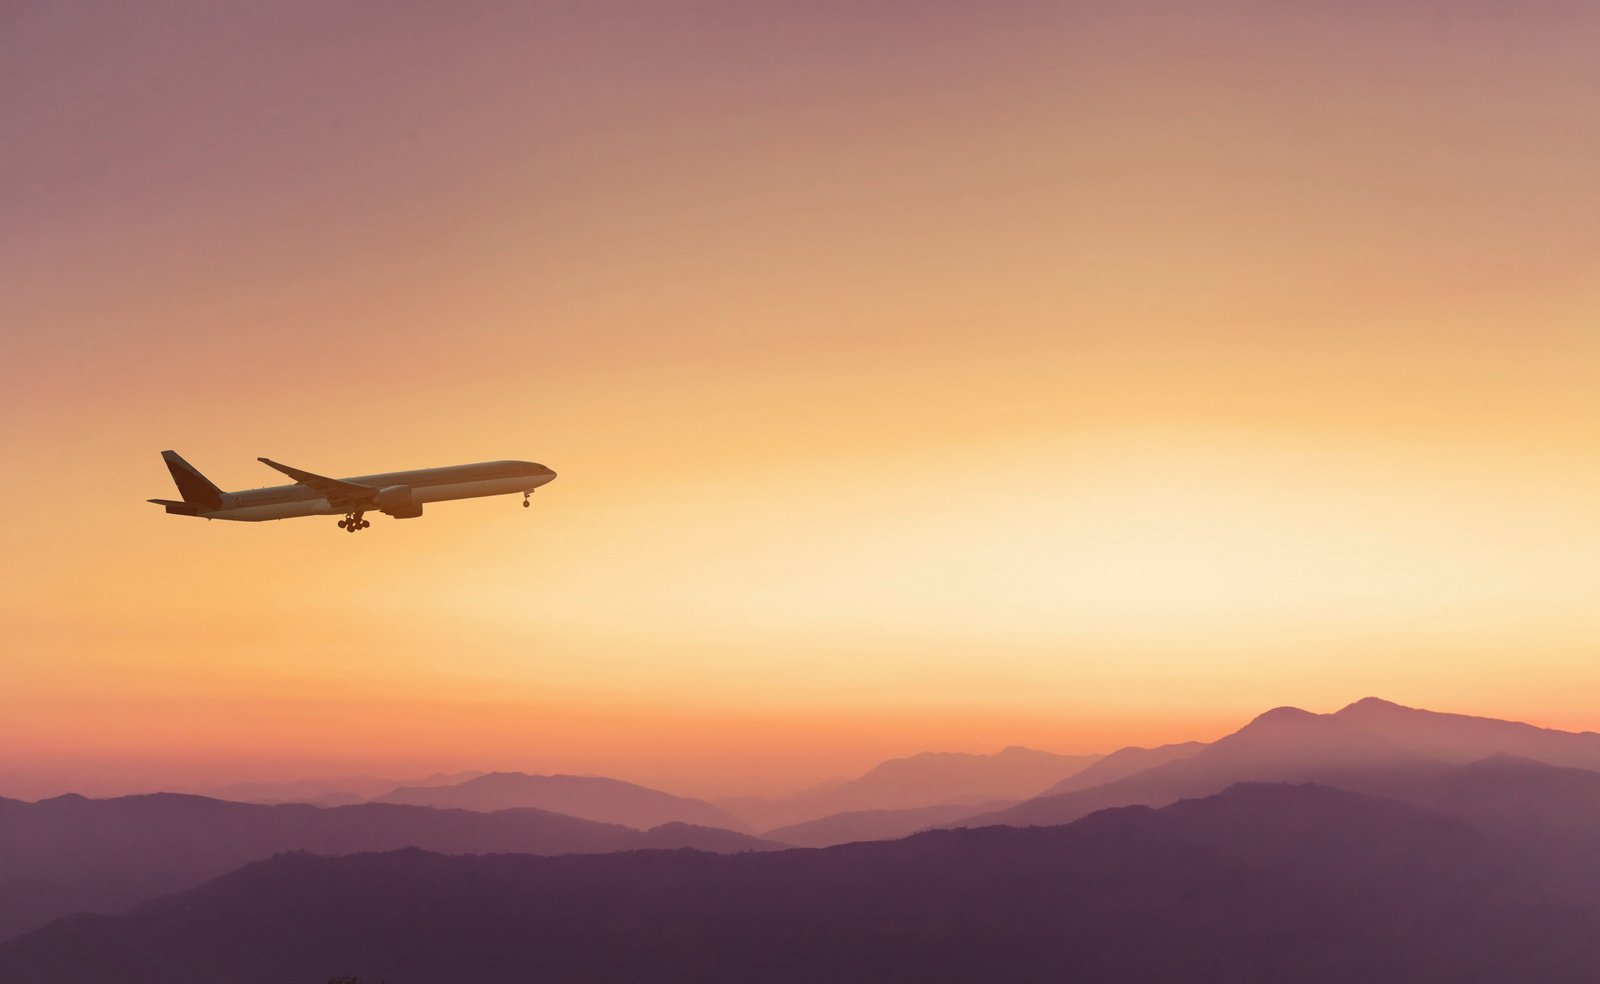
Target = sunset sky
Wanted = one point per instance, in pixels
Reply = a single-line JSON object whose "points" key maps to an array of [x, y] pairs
{"points": [[920, 376]]}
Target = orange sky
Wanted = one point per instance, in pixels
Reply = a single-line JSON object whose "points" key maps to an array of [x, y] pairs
{"points": [[927, 376]]}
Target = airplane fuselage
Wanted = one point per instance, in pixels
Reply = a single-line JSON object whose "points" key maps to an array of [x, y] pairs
{"points": [[426, 485]]}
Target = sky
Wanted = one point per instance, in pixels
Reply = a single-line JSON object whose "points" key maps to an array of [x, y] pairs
{"points": [[920, 376]]}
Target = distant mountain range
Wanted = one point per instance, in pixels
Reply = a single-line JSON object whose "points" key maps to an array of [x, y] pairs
{"points": [[1369, 745], [925, 780], [328, 792], [947, 780], [1122, 763], [1457, 843], [72, 854], [862, 825], [1258, 883], [589, 797]]}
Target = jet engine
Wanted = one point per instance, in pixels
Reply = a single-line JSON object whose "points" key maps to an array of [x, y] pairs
{"points": [[396, 501]]}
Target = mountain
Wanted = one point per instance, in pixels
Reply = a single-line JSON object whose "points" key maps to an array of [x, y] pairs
{"points": [[589, 797], [926, 779], [677, 836], [1547, 817], [1122, 763], [1462, 738], [1356, 747], [328, 792], [864, 825], [1259, 883], [72, 854], [957, 777]]}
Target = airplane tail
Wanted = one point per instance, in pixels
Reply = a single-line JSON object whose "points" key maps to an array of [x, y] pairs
{"points": [[196, 489]]}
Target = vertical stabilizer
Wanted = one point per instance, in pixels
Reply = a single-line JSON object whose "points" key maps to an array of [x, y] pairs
{"points": [[195, 488]]}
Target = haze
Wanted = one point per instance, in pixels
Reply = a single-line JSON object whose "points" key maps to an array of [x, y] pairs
{"points": [[924, 376]]}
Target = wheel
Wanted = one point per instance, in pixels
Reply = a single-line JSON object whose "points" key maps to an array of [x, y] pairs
{"points": [[526, 503], [341, 524], [366, 523]]}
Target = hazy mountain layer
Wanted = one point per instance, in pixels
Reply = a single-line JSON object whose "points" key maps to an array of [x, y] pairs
{"points": [[590, 797], [1463, 738], [327, 792], [923, 780], [845, 828], [1371, 744], [72, 854], [1261, 883], [1124, 762]]}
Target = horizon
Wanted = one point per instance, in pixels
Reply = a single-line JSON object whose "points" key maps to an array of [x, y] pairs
{"points": [[920, 378], [217, 786]]}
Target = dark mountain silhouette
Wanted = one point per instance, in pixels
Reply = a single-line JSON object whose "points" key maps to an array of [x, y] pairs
{"points": [[1260, 883], [1506, 792], [1353, 748], [72, 854], [328, 792], [590, 797], [926, 779], [676, 836], [1546, 817], [862, 825]]}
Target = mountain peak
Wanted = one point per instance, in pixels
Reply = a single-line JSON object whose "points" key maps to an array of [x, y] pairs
{"points": [[1284, 715], [1373, 705]]}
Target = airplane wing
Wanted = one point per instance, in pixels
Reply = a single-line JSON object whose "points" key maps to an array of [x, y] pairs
{"points": [[339, 493]]}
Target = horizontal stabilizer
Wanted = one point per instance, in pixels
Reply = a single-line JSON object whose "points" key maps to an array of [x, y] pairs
{"points": [[177, 508]]}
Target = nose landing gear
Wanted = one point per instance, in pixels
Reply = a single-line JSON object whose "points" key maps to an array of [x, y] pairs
{"points": [[353, 521], [525, 499]]}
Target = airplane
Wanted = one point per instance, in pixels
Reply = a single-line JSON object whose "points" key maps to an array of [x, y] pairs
{"points": [[397, 494]]}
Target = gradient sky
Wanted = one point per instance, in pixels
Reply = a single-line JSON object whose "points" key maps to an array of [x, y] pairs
{"points": [[919, 375]]}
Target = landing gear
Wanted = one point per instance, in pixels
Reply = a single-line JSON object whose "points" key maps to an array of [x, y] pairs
{"points": [[353, 521], [525, 499]]}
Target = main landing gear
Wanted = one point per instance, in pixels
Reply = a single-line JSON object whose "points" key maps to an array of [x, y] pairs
{"points": [[353, 521]]}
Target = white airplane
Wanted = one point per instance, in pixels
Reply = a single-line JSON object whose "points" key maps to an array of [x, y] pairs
{"points": [[398, 494]]}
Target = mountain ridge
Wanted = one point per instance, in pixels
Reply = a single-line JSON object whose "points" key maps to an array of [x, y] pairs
{"points": [[925, 779], [1260, 882], [597, 798], [1359, 743], [71, 853]]}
